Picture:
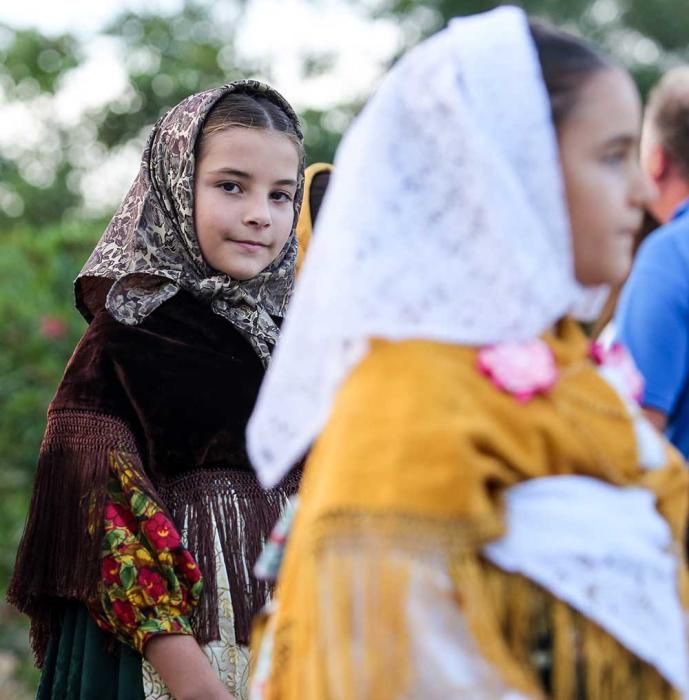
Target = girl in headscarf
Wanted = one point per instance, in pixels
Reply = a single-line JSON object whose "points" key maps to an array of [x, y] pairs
{"points": [[146, 517], [485, 512]]}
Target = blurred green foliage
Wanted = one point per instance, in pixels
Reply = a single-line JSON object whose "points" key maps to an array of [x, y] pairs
{"points": [[166, 57], [170, 56], [38, 332], [31, 63], [646, 36]]}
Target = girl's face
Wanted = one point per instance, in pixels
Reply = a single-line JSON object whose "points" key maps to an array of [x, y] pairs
{"points": [[244, 188], [605, 186]]}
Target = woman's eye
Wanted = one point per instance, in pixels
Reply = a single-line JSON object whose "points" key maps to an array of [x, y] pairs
{"points": [[230, 187]]}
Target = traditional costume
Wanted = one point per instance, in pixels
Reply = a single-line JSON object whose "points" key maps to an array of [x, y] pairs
{"points": [[145, 509], [485, 512]]}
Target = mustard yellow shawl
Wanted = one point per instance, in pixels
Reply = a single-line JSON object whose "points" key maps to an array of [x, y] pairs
{"points": [[417, 455]]}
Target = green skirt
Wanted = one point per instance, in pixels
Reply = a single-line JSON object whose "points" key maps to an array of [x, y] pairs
{"points": [[83, 663]]}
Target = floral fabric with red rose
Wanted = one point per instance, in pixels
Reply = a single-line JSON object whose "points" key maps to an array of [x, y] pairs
{"points": [[149, 582]]}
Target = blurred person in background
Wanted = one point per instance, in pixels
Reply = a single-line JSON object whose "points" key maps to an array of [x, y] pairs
{"points": [[652, 317]]}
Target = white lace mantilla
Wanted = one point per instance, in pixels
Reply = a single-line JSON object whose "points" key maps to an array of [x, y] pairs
{"points": [[445, 219], [606, 552]]}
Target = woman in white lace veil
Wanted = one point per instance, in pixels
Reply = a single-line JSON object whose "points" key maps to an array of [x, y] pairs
{"points": [[485, 513]]}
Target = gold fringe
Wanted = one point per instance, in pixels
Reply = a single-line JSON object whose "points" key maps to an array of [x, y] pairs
{"points": [[537, 641], [354, 585], [259, 628], [347, 598], [476, 592], [565, 652]]}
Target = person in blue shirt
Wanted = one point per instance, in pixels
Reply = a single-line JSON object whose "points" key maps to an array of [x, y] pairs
{"points": [[652, 318]]}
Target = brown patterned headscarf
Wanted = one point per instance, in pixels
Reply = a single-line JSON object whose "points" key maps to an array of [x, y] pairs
{"points": [[150, 251]]}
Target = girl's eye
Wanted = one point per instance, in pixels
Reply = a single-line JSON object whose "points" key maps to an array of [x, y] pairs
{"points": [[282, 196], [615, 158], [231, 187]]}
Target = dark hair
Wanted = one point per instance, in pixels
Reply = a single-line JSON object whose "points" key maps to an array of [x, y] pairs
{"points": [[319, 185], [668, 112], [567, 62], [249, 111]]}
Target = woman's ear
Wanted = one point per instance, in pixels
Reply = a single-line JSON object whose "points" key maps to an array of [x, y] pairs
{"points": [[658, 163]]}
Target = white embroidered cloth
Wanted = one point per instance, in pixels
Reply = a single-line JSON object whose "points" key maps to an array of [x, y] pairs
{"points": [[606, 552], [445, 219], [228, 659]]}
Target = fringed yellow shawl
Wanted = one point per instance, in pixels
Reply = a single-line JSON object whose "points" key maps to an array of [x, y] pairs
{"points": [[408, 477]]}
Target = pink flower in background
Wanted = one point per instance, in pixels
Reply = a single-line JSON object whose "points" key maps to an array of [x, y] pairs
{"points": [[617, 359], [53, 328], [522, 369]]}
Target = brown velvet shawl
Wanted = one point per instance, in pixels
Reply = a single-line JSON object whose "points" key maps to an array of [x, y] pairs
{"points": [[175, 392]]}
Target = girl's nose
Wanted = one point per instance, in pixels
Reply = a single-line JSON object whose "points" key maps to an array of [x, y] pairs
{"points": [[258, 212], [645, 190]]}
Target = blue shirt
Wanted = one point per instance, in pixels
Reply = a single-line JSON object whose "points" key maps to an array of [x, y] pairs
{"points": [[652, 320]]}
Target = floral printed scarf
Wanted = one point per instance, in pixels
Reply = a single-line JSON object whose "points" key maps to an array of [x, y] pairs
{"points": [[150, 251]]}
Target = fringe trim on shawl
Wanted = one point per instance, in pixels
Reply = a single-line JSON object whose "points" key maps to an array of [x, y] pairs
{"points": [[244, 514], [538, 645], [543, 643], [59, 553]]}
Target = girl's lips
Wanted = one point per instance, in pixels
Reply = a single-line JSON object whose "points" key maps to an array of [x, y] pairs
{"points": [[249, 245]]}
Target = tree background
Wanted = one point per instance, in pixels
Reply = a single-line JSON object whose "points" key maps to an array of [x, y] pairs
{"points": [[48, 223]]}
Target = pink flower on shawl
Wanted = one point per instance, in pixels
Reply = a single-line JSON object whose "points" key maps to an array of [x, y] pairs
{"points": [[125, 612], [161, 532], [522, 369], [117, 516], [617, 359]]}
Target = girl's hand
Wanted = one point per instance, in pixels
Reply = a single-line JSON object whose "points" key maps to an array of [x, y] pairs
{"points": [[184, 668]]}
